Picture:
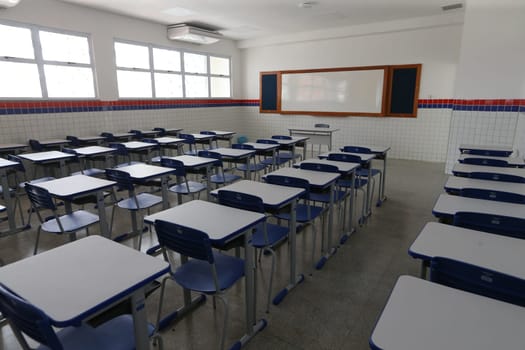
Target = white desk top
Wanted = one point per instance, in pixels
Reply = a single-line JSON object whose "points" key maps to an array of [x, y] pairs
{"points": [[11, 146], [220, 222], [292, 141], [202, 137], [262, 146], [449, 205], [146, 132], [146, 171], [94, 150], [136, 145], [233, 152], [423, 315], [372, 148], [486, 148], [90, 138], [458, 183], [45, 156], [343, 167], [315, 178], [75, 185], [315, 130], [223, 133], [4, 163], [122, 135], [52, 142], [193, 161], [168, 140], [273, 196], [365, 157], [495, 252], [513, 161], [469, 168], [77, 279]]}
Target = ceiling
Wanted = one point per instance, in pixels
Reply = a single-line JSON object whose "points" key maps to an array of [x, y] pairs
{"points": [[250, 19]]}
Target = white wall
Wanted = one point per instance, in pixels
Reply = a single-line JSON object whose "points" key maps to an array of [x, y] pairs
{"points": [[422, 138]]}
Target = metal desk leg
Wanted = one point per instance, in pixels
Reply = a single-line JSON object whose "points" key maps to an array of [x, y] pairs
{"points": [[9, 205], [104, 231], [294, 279], [164, 187], [140, 323], [329, 250], [351, 229], [382, 196]]}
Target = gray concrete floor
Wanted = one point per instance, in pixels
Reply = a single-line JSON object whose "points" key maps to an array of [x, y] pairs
{"points": [[335, 308]]}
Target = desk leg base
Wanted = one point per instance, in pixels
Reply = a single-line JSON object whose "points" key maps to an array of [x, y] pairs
{"points": [[181, 312], [324, 258], [345, 236], [259, 326], [16, 230], [128, 235], [283, 293], [380, 201]]}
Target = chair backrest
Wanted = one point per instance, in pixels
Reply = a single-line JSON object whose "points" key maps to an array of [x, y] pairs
{"points": [[242, 146], [477, 280], [184, 240], [339, 157], [207, 132], [36, 145], [108, 136], [486, 162], [162, 131], [356, 149], [74, 140], [27, 319], [241, 200], [177, 165], [490, 153], [281, 137], [210, 154], [152, 141], [39, 197], [320, 125], [497, 177], [138, 134], [498, 224], [120, 149], [72, 152], [287, 181], [121, 177], [499, 196], [268, 142], [326, 168], [188, 138]]}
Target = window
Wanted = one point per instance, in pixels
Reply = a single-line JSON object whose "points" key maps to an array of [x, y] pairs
{"points": [[144, 71], [38, 63]]}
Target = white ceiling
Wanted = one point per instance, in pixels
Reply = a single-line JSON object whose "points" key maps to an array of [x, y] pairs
{"points": [[249, 19]]}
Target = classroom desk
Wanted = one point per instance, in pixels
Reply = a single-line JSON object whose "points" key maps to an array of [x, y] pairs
{"points": [[487, 150], [316, 136], [119, 136], [293, 143], [446, 206], [223, 224], [203, 139], [266, 150], [495, 172], [5, 165], [91, 139], [139, 147], [321, 181], [42, 158], [424, 315], [78, 280], [51, 143], [494, 252], [13, 148], [76, 186], [167, 142], [455, 184], [236, 156], [515, 162], [144, 133], [274, 198], [90, 152], [345, 169], [172, 131], [224, 135]]}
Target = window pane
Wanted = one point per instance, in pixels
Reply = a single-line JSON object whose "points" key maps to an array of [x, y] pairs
{"points": [[194, 63], [220, 87], [166, 60], [19, 80], [196, 86], [219, 65], [132, 56], [64, 48], [69, 81], [134, 84], [168, 85], [16, 42]]}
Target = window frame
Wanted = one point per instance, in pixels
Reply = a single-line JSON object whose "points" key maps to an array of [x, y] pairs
{"points": [[40, 62]]}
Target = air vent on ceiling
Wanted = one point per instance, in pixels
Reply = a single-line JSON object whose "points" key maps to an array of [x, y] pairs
{"points": [[452, 7], [193, 34]]}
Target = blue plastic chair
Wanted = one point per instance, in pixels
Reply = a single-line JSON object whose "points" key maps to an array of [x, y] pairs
{"points": [[205, 272], [273, 161], [108, 136], [36, 146], [486, 162], [263, 238], [134, 203], [155, 149], [95, 172], [220, 177], [214, 140], [162, 131], [255, 168], [122, 151], [305, 212], [287, 154], [498, 224], [57, 224], [190, 141], [496, 177], [74, 141], [499, 196], [26, 319], [183, 186], [477, 280]]}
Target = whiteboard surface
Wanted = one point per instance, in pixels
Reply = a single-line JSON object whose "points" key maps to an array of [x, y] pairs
{"points": [[336, 91]]}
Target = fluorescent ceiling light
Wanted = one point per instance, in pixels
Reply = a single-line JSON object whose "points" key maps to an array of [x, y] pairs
{"points": [[192, 34], [9, 3]]}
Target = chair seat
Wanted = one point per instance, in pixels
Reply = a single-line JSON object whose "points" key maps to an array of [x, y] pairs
{"points": [[194, 187], [219, 179], [145, 200], [364, 172], [275, 234], [197, 275], [71, 222], [251, 167], [302, 213], [115, 334]]}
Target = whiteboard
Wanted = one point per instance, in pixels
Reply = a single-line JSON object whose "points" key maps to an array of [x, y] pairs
{"points": [[342, 91]]}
